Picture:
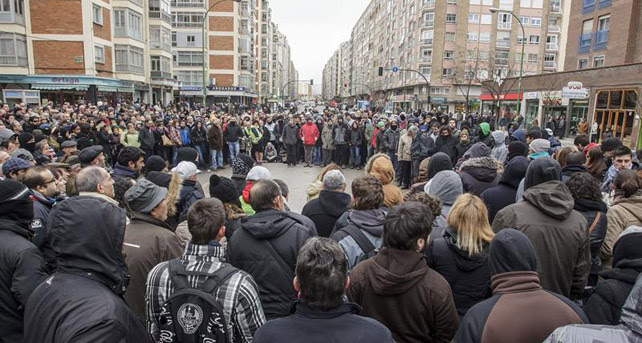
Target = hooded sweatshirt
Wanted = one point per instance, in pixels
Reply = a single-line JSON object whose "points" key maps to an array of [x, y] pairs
{"points": [[326, 209], [624, 212], [370, 222], [539, 171], [381, 167], [500, 151], [502, 195], [446, 186]]}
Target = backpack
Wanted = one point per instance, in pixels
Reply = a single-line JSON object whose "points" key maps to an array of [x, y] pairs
{"points": [[192, 315], [364, 243]]}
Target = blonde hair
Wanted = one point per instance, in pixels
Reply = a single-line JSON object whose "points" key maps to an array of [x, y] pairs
{"points": [[469, 218]]}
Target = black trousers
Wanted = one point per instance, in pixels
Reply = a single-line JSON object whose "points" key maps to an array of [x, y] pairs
{"points": [[342, 155], [291, 149], [405, 168]]}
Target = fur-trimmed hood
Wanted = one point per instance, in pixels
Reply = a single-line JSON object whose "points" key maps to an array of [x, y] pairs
{"points": [[484, 169], [381, 167]]}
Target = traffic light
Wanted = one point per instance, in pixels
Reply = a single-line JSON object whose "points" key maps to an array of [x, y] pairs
{"points": [[311, 82], [380, 71]]}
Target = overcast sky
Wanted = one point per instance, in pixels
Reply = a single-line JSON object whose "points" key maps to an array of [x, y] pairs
{"points": [[315, 29]]}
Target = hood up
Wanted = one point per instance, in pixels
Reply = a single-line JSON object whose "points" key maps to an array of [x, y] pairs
{"points": [[446, 186], [541, 170], [479, 149], [499, 137], [481, 168], [463, 260], [553, 198], [439, 162], [511, 251], [519, 135], [371, 221], [381, 167], [334, 203], [632, 310], [396, 271], [514, 172]]}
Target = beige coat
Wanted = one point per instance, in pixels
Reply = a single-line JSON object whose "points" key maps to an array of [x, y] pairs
{"points": [[624, 213], [403, 151]]}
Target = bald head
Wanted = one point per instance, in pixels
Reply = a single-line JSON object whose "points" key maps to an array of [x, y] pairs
{"points": [[95, 179]]}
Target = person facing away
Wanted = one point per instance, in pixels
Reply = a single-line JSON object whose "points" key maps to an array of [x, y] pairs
{"points": [[558, 232], [320, 314], [267, 244], [520, 310], [204, 257], [332, 202], [82, 301], [502, 195], [359, 231], [397, 287], [461, 255]]}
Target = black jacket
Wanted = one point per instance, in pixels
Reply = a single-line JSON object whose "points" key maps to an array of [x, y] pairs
{"points": [[92, 269], [266, 246], [502, 195], [447, 145], [146, 138], [479, 174], [198, 136], [356, 137], [21, 271], [589, 209], [326, 209], [461, 149], [233, 132], [306, 325], [422, 146], [571, 169], [468, 276]]}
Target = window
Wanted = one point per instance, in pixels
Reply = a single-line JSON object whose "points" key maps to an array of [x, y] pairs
{"points": [[536, 21], [473, 37], [160, 9], [483, 55], [525, 20], [5, 6], [119, 19], [451, 2], [13, 50], [504, 21], [427, 37], [532, 58], [473, 18], [503, 39], [587, 27], [582, 63], [449, 36], [99, 54], [486, 19], [97, 14], [471, 54], [484, 37], [129, 59], [533, 39], [134, 24], [187, 19], [550, 60], [603, 23], [447, 72], [551, 42], [531, 3], [449, 54], [451, 18], [426, 55], [426, 71], [429, 19], [506, 5], [501, 57], [598, 61], [127, 23], [188, 58]]}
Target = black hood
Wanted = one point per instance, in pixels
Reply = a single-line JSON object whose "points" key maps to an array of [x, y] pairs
{"points": [[463, 260], [439, 162], [371, 221], [511, 251], [483, 169], [514, 172], [573, 168], [334, 203], [585, 205], [268, 224], [541, 170], [87, 236], [552, 198]]}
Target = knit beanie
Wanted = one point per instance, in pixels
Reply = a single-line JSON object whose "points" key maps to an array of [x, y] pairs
{"points": [[224, 189], [242, 164], [627, 246], [517, 148], [540, 145], [155, 163], [12, 190]]}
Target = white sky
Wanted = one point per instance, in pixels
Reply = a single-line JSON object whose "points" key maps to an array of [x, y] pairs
{"points": [[315, 29]]}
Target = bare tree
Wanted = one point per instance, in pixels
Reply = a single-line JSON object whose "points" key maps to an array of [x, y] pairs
{"points": [[464, 76]]}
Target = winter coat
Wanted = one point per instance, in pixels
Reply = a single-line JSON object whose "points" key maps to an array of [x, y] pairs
{"points": [[629, 330], [571, 169], [198, 136], [479, 174], [623, 213], [396, 279], [391, 140], [146, 138], [215, 137], [421, 147], [188, 195], [499, 151], [130, 139], [468, 276], [21, 271], [502, 195], [447, 146], [96, 312], [149, 242], [326, 209], [309, 134], [327, 138], [403, 151], [290, 134], [370, 222], [589, 209], [461, 149], [558, 234], [307, 325], [381, 167], [233, 132], [340, 134], [356, 137], [380, 144], [185, 133], [446, 186], [266, 246]]}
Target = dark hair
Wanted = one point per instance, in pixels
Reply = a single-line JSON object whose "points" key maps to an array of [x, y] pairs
{"points": [[262, 194], [405, 224], [575, 157], [205, 218], [429, 200], [584, 186], [596, 161], [627, 183], [367, 193], [122, 185], [322, 272], [285, 190], [581, 140], [621, 151], [34, 178], [129, 154]]}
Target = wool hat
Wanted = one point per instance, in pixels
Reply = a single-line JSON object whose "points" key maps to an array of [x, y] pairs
{"points": [[517, 148], [12, 190], [25, 137], [242, 164], [224, 189], [88, 154], [68, 144], [159, 178], [381, 124], [257, 173], [144, 196], [540, 145], [23, 153], [186, 154], [186, 169], [155, 163], [13, 165], [627, 245], [6, 134]]}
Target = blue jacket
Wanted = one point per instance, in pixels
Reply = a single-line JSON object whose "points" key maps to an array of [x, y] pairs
{"points": [[185, 132]]}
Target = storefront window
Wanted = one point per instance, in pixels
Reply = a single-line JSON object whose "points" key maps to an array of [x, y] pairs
{"points": [[579, 111], [615, 113]]}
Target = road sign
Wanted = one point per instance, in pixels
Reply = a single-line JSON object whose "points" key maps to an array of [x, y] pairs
{"points": [[395, 69]]}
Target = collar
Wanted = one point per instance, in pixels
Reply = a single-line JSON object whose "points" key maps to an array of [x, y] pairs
{"points": [[138, 216], [300, 309], [99, 196], [207, 252], [515, 282], [37, 196]]}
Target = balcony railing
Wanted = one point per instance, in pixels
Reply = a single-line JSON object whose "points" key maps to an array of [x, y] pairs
{"points": [[550, 64], [161, 74], [504, 26], [128, 68], [588, 6], [600, 40], [604, 4], [584, 43], [427, 41], [554, 28], [429, 4], [552, 46], [428, 23], [503, 43], [160, 15]]}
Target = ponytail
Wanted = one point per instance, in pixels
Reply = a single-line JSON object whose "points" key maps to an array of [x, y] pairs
{"points": [[627, 183]]}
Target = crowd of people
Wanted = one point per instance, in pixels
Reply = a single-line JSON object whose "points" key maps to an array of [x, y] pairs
{"points": [[458, 229]]}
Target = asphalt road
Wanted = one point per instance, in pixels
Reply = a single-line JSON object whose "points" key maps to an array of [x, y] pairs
{"points": [[296, 178]]}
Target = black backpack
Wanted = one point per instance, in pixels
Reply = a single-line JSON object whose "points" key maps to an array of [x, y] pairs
{"points": [[192, 315], [364, 243]]}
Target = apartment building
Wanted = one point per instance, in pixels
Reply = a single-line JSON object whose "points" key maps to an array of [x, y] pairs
{"points": [[455, 45]]}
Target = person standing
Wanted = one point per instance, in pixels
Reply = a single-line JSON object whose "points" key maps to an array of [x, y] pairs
{"points": [[289, 137], [232, 135], [341, 135], [332, 202], [215, 139], [198, 136], [146, 138], [327, 143], [309, 135], [355, 142], [391, 144], [405, 157]]}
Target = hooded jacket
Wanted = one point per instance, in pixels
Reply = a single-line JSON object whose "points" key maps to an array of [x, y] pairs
{"points": [[326, 209], [397, 279], [370, 222], [571, 169], [468, 276], [327, 138], [266, 246], [381, 167], [629, 330], [422, 146], [485, 136], [479, 174], [558, 234], [519, 310], [447, 145], [446, 186], [87, 234], [623, 213], [589, 210], [233, 132], [502, 195], [421, 179], [499, 151], [391, 140], [340, 134], [438, 162], [404, 152], [215, 137]]}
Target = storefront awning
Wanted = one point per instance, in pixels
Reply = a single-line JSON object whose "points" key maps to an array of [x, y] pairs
{"points": [[112, 89], [508, 96], [60, 87], [126, 89]]}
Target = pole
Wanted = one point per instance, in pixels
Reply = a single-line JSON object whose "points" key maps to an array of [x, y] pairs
{"points": [[521, 66], [425, 79]]}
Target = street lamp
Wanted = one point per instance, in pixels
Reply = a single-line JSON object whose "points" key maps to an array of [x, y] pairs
{"points": [[521, 64], [203, 43]]}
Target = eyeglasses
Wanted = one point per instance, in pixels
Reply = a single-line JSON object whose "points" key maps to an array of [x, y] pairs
{"points": [[48, 182]]}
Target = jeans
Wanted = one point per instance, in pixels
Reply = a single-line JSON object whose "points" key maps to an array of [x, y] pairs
{"points": [[316, 153], [395, 163], [199, 149], [174, 154], [355, 156], [235, 149], [217, 158], [405, 167], [308, 154]]}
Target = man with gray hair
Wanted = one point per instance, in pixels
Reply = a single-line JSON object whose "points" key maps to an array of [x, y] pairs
{"points": [[332, 202], [96, 182]]}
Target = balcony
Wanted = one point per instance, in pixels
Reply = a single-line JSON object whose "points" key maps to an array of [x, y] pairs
{"points": [[600, 40], [552, 46], [428, 4], [160, 15], [503, 44], [584, 43], [504, 26], [554, 28], [550, 64], [161, 74], [604, 4], [427, 41], [427, 23]]}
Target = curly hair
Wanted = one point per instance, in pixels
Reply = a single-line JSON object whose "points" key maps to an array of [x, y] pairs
{"points": [[367, 193], [584, 186], [429, 200]]}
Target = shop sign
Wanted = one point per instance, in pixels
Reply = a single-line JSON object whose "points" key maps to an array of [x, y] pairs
{"points": [[65, 80], [531, 95], [575, 90], [438, 100], [226, 89]]}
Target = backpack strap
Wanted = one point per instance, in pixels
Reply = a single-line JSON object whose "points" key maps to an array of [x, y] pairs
{"points": [[214, 281], [361, 239], [595, 221], [178, 274]]}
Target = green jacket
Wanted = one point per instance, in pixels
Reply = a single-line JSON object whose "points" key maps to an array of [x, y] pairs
{"points": [[247, 208], [369, 131]]}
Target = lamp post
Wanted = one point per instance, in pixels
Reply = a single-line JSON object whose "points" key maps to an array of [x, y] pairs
{"points": [[521, 64], [204, 39]]}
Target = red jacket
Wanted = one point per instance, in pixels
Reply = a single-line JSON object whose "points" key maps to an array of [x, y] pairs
{"points": [[309, 134], [374, 137]]}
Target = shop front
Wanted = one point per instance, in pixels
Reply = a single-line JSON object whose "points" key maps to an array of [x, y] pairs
{"points": [[13, 97], [616, 113]]}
